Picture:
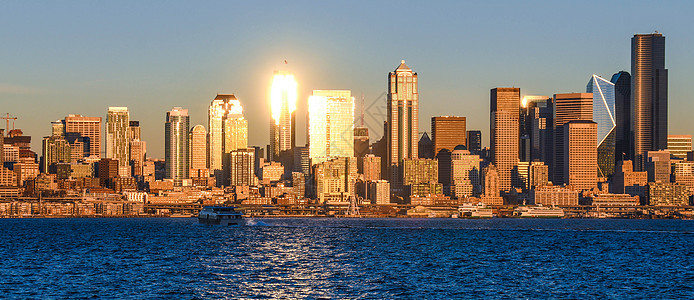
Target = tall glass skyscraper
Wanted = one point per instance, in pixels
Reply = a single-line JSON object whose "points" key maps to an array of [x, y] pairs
{"points": [[283, 95], [403, 120], [228, 130], [331, 125], [176, 145], [622, 102], [649, 86], [118, 138], [604, 114]]}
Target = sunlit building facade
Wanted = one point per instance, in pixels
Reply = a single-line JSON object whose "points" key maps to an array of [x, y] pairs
{"points": [[679, 145], [118, 138], [176, 145], [331, 125], [283, 96], [85, 130], [198, 149], [567, 107], [228, 129], [504, 123], [604, 114], [403, 120]]}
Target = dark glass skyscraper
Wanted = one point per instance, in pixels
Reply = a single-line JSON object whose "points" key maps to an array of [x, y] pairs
{"points": [[649, 94], [604, 115], [622, 103]]}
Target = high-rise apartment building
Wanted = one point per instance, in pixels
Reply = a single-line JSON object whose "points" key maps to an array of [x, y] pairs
{"points": [[567, 107], [649, 93], [623, 107], [176, 145], [403, 120], [679, 145], [283, 96], [371, 167], [580, 154], [504, 122], [55, 150], [87, 130], [604, 113], [335, 179], [118, 138], [198, 148], [331, 125], [242, 167]]}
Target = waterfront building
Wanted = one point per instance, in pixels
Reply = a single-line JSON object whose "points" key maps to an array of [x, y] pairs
{"points": [[623, 106], [580, 154], [331, 125], [371, 167], [403, 120], [649, 93], [504, 122], [567, 107], [118, 138], [335, 179], [667, 194], [604, 115], [603, 200], [679, 145], [242, 167], [378, 192], [474, 141], [657, 165], [549, 195], [176, 145], [283, 96]]}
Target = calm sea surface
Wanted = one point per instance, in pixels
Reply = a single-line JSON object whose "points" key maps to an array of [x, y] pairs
{"points": [[347, 258]]}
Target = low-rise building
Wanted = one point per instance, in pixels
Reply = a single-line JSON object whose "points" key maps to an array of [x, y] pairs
{"points": [[555, 195], [667, 194]]}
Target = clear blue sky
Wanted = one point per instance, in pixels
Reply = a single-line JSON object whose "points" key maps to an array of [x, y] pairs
{"points": [[62, 57]]}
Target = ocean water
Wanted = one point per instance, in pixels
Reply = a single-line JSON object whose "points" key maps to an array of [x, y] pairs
{"points": [[347, 258]]}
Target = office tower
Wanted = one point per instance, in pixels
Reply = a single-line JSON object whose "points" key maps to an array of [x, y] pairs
{"points": [[684, 174], [242, 167], [448, 132], [331, 125], [302, 160], [492, 186], [539, 175], [403, 120], [335, 179], [474, 141], [504, 123], [528, 114], [55, 150], [228, 130], [371, 167], [58, 128], [198, 148], [108, 170], [667, 194], [580, 154], [86, 130], [567, 107], [539, 127], [283, 97], [649, 85], [657, 165], [604, 113], [118, 137], [379, 192], [134, 129], [465, 168], [420, 170], [361, 141], [623, 107], [176, 145], [425, 147], [679, 145]]}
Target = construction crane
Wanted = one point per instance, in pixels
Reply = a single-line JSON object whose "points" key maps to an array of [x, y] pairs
{"points": [[7, 118]]}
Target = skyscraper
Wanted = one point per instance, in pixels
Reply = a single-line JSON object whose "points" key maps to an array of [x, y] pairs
{"points": [[55, 150], [679, 145], [604, 114], [580, 154], [403, 120], [198, 148], [361, 141], [87, 129], [331, 125], [474, 141], [228, 131], [176, 145], [242, 167], [138, 148], [118, 138], [465, 169], [447, 132], [649, 94], [283, 97], [504, 121], [623, 106], [567, 107], [539, 127]]}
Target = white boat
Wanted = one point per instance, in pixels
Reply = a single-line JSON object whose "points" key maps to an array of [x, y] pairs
{"points": [[221, 215], [538, 212], [479, 210]]}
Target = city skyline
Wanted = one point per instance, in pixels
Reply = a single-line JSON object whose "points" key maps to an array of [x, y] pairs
{"points": [[456, 72]]}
